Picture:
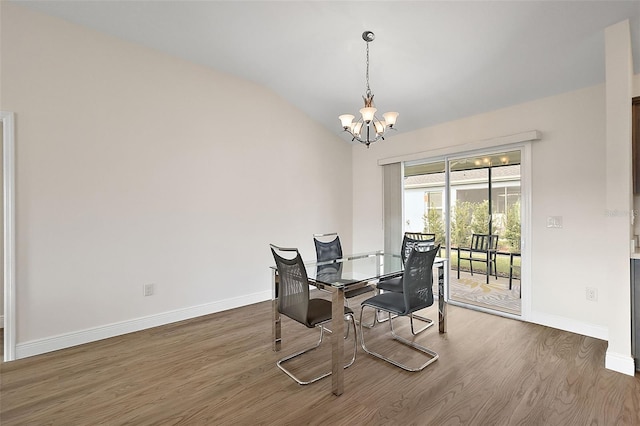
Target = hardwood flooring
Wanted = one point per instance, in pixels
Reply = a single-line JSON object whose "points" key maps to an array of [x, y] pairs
{"points": [[220, 369]]}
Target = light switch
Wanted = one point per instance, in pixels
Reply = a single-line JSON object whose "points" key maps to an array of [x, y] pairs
{"points": [[554, 222]]}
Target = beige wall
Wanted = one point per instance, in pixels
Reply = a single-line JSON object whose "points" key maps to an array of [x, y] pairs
{"points": [[568, 180], [134, 167]]}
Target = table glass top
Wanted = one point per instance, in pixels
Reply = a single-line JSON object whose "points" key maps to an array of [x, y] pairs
{"points": [[355, 268]]}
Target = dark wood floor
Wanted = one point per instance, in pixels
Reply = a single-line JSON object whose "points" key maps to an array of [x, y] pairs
{"points": [[220, 369]]}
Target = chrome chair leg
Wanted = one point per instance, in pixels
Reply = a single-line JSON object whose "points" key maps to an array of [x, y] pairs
{"points": [[373, 322], [429, 322], [432, 356], [280, 362], [355, 340], [376, 291]]}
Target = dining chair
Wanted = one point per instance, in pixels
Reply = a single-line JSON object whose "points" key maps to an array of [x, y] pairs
{"points": [[417, 293], [328, 248], [412, 238], [295, 303], [394, 284]]}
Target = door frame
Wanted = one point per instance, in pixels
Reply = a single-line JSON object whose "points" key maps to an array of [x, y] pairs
{"points": [[8, 170], [525, 216], [525, 221]]}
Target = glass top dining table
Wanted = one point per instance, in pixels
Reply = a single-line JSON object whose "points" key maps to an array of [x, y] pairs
{"points": [[351, 272]]}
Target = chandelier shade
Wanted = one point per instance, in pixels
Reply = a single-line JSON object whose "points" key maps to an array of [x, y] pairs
{"points": [[368, 128]]}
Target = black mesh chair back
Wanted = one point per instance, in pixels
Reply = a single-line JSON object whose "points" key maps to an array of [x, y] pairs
{"points": [[293, 288], [330, 272], [410, 239], [417, 278], [421, 236], [327, 250]]}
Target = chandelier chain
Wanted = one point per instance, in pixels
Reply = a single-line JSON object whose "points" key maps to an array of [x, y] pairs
{"points": [[367, 75]]}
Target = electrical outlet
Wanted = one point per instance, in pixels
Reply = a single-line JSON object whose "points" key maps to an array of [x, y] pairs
{"points": [[147, 290], [592, 294]]}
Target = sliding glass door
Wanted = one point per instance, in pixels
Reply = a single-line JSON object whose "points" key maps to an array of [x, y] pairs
{"points": [[457, 198], [484, 194]]}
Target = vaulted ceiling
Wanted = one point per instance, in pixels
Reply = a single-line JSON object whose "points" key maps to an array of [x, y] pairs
{"points": [[432, 61]]}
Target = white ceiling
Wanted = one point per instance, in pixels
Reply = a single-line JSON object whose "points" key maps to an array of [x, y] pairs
{"points": [[431, 61]]}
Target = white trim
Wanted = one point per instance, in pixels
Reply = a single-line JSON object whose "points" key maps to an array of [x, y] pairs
{"points": [[613, 361], [621, 363], [8, 163], [526, 183], [67, 340], [532, 135], [569, 324], [478, 308]]}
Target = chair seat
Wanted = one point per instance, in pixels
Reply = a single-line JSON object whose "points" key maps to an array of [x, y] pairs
{"points": [[320, 311], [391, 302], [391, 284]]}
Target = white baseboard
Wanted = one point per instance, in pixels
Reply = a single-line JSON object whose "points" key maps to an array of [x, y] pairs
{"points": [[571, 325], [67, 340], [613, 361], [1, 321], [620, 363]]}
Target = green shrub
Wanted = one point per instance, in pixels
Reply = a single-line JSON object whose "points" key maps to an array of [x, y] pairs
{"points": [[461, 224], [433, 224], [512, 231]]}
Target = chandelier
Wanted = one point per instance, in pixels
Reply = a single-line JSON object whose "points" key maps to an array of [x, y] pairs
{"points": [[368, 128]]}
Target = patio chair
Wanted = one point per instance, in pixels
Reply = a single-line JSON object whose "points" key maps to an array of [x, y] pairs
{"points": [[484, 248]]}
